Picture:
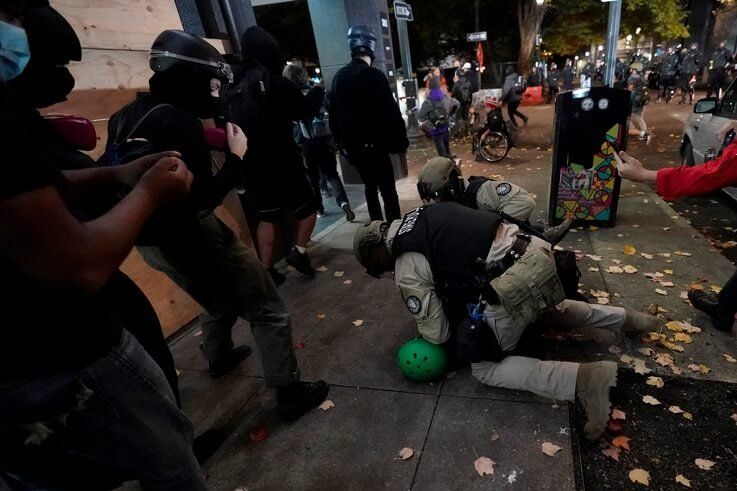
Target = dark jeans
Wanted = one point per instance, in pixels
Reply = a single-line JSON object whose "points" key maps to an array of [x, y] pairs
{"points": [[512, 111], [321, 162], [728, 294], [666, 82], [717, 81], [442, 144], [377, 174], [95, 427]]}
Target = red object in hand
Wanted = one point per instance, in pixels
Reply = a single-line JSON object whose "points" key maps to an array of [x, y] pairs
{"points": [[76, 131], [259, 434], [216, 139]]}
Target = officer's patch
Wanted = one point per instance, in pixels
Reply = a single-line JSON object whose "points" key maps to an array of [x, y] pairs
{"points": [[414, 305], [503, 189]]}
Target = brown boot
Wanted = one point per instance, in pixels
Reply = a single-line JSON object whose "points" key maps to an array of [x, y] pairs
{"points": [[637, 322], [592, 388]]}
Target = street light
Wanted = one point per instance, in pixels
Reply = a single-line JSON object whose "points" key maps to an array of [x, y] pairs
{"points": [[576, 58], [600, 48], [317, 70], [588, 53], [638, 30], [539, 2]]}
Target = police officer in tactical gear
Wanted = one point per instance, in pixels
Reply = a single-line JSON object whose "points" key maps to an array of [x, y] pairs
{"points": [[718, 62], [446, 256], [690, 66], [668, 69], [440, 179], [366, 123]]}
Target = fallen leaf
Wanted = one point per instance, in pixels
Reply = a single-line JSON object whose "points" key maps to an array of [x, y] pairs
{"points": [[729, 358], [494, 436], [671, 346], [646, 351], [621, 442], [347, 282], [674, 326], [484, 466], [618, 414], [626, 359], [593, 269], [615, 349], [667, 284], [668, 271], [617, 261], [593, 257], [405, 453], [681, 479], [640, 476], [682, 337], [550, 449], [664, 359], [655, 382], [602, 300], [734, 417], [675, 410], [326, 405], [676, 370], [358, 322], [179, 372], [688, 416], [612, 453], [630, 269], [696, 286], [684, 296], [661, 292], [646, 256], [629, 250], [321, 316], [650, 400], [198, 333], [704, 464], [614, 270], [715, 288], [339, 274], [681, 253], [640, 367], [321, 269]]}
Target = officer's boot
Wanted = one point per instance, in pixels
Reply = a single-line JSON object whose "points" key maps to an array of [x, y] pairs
{"points": [[297, 398], [638, 322], [721, 315], [557, 233], [592, 389]]}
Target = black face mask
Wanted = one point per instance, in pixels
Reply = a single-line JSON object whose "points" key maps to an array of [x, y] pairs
{"points": [[43, 86]]}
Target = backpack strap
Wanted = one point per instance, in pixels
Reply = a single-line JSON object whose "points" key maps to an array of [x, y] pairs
{"points": [[138, 123]]}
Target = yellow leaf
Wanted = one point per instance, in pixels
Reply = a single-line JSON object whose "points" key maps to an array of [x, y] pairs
{"points": [[684, 254], [650, 400], [405, 453], [338, 274], [326, 405], [594, 270], [704, 464], [655, 382], [675, 326], [715, 288], [484, 466], [668, 271], [680, 479], [675, 410], [640, 476], [696, 286], [630, 269], [550, 449], [646, 256], [729, 358], [614, 270], [672, 346], [321, 316], [682, 337], [688, 416], [322, 269], [629, 250], [661, 292]]}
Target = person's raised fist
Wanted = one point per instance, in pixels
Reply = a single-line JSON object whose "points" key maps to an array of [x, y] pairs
{"points": [[167, 180]]}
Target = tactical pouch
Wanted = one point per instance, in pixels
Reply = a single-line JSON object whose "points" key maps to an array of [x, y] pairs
{"points": [[530, 287], [475, 342]]}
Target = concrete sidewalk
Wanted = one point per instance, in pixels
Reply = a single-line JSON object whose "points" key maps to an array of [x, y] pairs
{"points": [[452, 422]]}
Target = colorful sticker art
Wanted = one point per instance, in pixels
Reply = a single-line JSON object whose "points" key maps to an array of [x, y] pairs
{"points": [[588, 194]]}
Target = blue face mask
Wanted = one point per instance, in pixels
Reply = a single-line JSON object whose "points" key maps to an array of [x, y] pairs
{"points": [[14, 51]]}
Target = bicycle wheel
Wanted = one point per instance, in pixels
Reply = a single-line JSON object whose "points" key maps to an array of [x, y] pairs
{"points": [[494, 147]]}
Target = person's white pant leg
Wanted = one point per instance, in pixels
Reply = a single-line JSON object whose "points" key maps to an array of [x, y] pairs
{"points": [[553, 379], [575, 314]]}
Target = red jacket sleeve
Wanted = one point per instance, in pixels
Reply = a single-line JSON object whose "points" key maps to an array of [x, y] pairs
{"points": [[675, 182]]}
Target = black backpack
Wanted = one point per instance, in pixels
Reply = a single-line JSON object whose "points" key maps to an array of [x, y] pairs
{"points": [[122, 147], [246, 102]]}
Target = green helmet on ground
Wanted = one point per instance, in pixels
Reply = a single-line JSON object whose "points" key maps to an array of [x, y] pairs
{"points": [[422, 361], [440, 177]]}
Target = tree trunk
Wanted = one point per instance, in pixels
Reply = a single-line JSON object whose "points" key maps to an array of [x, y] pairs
{"points": [[530, 18]]}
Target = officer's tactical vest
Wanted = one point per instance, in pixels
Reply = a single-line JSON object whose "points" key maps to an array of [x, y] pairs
{"points": [[451, 237], [468, 197]]}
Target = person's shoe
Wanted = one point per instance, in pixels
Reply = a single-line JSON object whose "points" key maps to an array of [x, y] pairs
{"points": [[524, 122], [637, 323], [349, 215], [592, 389], [320, 213], [297, 398], [708, 303], [276, 276], [557, 233], [300, 261], [228, 362]]}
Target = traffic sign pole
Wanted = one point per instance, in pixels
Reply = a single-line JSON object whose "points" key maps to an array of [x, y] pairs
{"points": [[615, 14], [403, 14]]}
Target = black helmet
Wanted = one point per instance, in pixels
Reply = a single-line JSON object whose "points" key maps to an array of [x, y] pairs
{"points": [[361, 41], [182, 48]]}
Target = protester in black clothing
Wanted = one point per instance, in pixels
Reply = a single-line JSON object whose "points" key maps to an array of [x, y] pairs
{"points": [[512, 95], [82, 405], [554, 77], [568, 75], [276, 182], [313, 136], [718, 63], [366, 123]]}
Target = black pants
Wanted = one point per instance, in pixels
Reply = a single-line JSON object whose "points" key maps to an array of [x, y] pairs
{"points": [[442, 144], [377, 174], [717, 80], [321, 163], [512, 110], [666, 82], [552, 93]]}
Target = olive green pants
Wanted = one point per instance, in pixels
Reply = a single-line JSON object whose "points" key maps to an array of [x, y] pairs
{"points": [[553, 379], [226, 278]]}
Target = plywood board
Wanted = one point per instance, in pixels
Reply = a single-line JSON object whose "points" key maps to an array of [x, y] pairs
{"points": [[119, 24], [111, 69]]}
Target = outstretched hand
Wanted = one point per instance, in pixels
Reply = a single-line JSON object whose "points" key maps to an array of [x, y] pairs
{"points": [[631, 168]]}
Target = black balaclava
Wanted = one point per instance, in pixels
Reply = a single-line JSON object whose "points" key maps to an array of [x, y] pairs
{"points": [[259, 45], [186, 88]]}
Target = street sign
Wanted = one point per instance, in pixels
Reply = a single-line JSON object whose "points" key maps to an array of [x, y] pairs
{"points": [[475, 37], [403, 11]]}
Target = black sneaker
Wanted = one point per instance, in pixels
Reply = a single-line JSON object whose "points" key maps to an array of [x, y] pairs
{"points": [[276, 276], [557, 233], [300, 261], [228, 362], [349, 215], [708, 303], [297, 398]]}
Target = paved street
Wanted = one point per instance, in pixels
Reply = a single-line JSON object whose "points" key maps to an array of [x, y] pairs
{"points": [[450, 423]]}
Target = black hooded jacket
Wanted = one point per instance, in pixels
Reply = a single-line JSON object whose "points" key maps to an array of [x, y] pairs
{"points": [[286, 104]]}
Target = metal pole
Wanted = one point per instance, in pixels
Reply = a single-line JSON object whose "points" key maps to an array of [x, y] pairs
{"points": [[615, 14], [410, 84]]}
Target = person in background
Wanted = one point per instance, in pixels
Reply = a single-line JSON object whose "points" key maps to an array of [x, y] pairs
{"points": [[640, 96], [668, 70], [718, 64], [675, 182], [690, 66], [512, 95], [554, 77], [463, 90], [436, 73], [313, 136], [366, 123], [435, 116], [568, 75]]}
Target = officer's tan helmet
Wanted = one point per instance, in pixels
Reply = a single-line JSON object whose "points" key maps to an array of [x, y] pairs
{"points": [[434, 176], [370, 248]]}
